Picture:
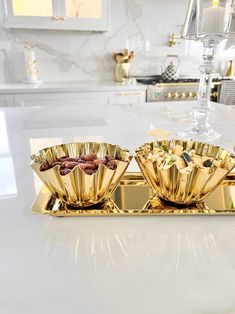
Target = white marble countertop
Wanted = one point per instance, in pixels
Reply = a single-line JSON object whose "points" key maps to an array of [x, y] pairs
{"points": [[134, 265], [80, 86]]}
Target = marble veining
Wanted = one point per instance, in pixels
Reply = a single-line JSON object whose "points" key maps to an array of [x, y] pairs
{"points": [[72, 55]]}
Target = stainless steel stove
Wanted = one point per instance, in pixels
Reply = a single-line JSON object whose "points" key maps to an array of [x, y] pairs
{"points": [[185, 88]]}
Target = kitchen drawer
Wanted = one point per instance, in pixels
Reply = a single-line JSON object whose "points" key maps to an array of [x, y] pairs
{"points": [[81, 98], [6, 100], [128, 97], [90, 109], [48, 99]]}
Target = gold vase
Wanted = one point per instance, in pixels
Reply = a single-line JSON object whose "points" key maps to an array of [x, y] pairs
{"points": [[122, 71]]}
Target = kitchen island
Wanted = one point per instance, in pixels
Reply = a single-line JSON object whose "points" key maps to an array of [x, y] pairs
{"points": [[107, 265]]}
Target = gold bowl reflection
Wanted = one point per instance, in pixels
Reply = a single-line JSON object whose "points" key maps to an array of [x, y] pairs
{"points": [[174, 186], [78, 188]]}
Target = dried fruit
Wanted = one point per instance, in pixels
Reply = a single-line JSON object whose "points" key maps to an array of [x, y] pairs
{"points": [[82, 157], [56, 163], [70, 159], [98, 162], [81, 161], [61, 158], [90, 157], [70, 164], [112, 164], [45, 165], [63, 172], [83, 166], [89, 171], [88, 163], [87, 166], [107, 158]]}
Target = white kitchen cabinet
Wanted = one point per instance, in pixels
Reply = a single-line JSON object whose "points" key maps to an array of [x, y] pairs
{"points": [[81, 98], [77, 93], [63, 98], [6, 100], [88, 15]]}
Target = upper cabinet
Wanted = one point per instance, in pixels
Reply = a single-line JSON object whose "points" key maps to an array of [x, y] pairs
{"points": [[87, 15]]}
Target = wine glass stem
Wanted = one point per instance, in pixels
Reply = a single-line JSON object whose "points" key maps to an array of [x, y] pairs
{"points": [[202, 106]]}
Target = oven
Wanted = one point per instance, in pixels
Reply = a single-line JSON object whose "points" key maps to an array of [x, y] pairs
{"points": [[182, 89]]}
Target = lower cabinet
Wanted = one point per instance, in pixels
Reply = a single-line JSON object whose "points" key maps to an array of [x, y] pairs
{"points": [[77, 98], [7, 100], [48, 99]]}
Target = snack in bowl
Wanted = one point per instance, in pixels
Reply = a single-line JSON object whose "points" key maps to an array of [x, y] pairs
{"points": [[183, 172], [81, 174], [88, 163]]}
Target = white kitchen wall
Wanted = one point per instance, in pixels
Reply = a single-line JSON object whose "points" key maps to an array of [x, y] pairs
{"points": [[144, 25]]}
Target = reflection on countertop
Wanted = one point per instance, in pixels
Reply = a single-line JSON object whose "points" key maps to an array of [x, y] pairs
{"points": [[105, 245]]}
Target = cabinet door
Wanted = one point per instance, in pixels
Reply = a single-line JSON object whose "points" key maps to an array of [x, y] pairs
{"points": [[90, 108], [85, 14], [57, 14], [29, 14], [63, 98], [6, 100]]}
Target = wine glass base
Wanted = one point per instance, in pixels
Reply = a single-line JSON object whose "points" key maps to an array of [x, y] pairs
{"points": [[207, 135]]}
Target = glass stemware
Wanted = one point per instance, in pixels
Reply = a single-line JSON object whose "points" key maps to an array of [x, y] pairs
{"points": [[207, 21]]}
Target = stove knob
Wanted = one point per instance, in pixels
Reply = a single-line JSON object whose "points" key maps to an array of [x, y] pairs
{"points": [[168, 96], [187, 95], [182, 95], [215, 94], [194, 95], [175, 95]]}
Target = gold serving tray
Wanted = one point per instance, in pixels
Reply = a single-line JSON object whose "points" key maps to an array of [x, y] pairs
{"points": [[133, 197]]}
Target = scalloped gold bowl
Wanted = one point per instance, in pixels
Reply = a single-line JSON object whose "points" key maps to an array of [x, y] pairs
{"points": [[77, 188], [175, 186]]}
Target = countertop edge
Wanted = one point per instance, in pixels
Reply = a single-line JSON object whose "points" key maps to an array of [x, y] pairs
{"points": [[60, 87]]}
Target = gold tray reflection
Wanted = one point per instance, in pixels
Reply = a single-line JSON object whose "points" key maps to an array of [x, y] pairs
{"points": [[133, 197]]}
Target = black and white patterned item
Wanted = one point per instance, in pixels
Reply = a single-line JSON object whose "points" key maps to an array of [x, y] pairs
{"points": [[171, 73]]}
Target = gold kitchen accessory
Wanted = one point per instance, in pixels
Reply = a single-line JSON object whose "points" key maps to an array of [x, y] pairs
{"points": [[172, 40], [123, 62], [176, 186], [230, 71], [133, 197], [78, 188], [122, 71]]}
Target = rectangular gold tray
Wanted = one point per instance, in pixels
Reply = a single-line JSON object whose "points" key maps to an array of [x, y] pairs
{"points": [[133, 197]]}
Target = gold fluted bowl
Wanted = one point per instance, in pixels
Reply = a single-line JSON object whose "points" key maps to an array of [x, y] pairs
{"points": [[78, 188], [174, 185]]}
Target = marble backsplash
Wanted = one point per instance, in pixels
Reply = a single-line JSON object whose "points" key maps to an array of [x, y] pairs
{"points": [[143, 25]]}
